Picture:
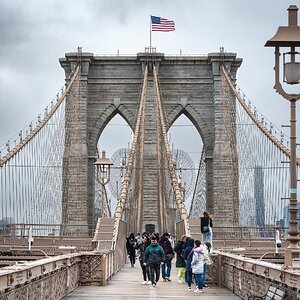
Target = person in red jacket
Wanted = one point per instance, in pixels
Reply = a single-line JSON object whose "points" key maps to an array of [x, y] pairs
{"points": [[169, 255]]}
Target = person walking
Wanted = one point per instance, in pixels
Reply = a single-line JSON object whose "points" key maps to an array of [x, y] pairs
{"points": [[206, 227], [154, 256], [169, 255], [141, 247], [198, 266], [130, 243], [139, 238], [188, 255], [207, 261], [180, 263]]}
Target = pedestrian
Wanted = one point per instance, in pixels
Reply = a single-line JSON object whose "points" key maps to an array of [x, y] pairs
{"points": [[180, 263], [188, 255], [206, 227], [207, 260], [197, 266], [154, 256], [171, 239], [141, 247], [169, 255], [139, 238], [130, 247]]}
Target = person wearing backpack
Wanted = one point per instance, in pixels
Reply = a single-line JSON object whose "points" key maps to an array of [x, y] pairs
{"points": [[180, 263], [169, 255], [206, 227]]}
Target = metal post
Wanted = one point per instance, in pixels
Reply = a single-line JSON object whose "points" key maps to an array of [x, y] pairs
{"points": [[293, 232], [102, 201]]}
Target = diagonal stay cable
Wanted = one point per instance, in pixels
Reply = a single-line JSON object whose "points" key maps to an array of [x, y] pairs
{"points": [[36, 130], [178, 198], [127, 176], [257, 122]]}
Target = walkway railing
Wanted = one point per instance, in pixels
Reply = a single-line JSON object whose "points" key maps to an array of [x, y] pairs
{"points": [[53, 278]]}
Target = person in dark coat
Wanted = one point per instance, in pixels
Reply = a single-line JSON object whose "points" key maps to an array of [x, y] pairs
{"points": [[206, 227], [141, 247], [154, 256], [130, 243], [188, 256], [169, 255], [180, 262]]}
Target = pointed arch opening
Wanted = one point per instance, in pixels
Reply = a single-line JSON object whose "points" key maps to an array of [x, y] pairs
{"points": [[115, 140], [186, 145]]}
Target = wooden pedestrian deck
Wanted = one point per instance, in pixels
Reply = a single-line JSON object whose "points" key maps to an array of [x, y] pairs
{"points": [[126, 284]]}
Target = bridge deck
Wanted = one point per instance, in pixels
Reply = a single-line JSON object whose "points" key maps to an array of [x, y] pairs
{"points": [[126, 284]]}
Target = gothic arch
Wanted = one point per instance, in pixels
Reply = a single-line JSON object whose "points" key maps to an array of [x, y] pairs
{"points": [[111, 85]]}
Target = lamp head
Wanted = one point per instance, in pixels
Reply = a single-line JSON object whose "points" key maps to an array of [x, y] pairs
{"points": [[103, 161], [103, 167], [287, 36]]}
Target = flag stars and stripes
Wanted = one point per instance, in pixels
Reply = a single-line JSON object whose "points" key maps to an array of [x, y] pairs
{"points": [[161, 24]]}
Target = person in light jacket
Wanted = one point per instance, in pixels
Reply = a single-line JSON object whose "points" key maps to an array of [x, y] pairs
{"points": [[198, 266]]}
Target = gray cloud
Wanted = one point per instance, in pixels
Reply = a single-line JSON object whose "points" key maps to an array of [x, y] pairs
{"points": [[34, 34]]}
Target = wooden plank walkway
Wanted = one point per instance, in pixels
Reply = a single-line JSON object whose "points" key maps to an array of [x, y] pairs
{"points": [[126, 284]]}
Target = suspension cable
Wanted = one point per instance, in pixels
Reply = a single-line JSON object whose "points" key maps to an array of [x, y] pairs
{"points": [[41, 123], [178, 197], [254, 118]]}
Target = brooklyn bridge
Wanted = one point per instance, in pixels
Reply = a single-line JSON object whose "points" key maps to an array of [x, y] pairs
{"points": [[67, 206]]}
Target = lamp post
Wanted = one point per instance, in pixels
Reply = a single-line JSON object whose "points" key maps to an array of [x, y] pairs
{"points": [[288, 37], [103, 175]]}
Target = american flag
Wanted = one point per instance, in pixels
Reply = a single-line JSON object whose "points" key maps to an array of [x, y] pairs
{"points": [[161, 24]]}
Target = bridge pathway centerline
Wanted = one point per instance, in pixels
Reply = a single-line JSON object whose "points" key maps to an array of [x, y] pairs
{"points": [[126, 284]]}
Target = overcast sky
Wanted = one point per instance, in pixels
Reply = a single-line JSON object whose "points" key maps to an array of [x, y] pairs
{"points": [[34, 34]]}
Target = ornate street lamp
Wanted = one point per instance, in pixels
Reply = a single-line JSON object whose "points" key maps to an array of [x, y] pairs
{"points": [[103, 175], [288, 37]]}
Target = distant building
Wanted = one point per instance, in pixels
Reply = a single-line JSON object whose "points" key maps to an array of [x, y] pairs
{"points": [[3, 224], [259, 196]]}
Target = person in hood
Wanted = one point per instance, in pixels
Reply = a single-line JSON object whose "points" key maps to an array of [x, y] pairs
{"points": [[198, 266], [154, 256], [188, 255], [180, 263], [130, 243]]}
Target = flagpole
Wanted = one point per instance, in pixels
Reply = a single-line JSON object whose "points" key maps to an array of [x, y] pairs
{"points": [[150, 33]]}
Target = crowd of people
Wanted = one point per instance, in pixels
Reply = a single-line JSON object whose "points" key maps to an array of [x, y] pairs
{"points": [[156, 253]]}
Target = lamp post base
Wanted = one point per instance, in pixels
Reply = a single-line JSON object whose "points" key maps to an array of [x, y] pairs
{"points": [[292, 258]]}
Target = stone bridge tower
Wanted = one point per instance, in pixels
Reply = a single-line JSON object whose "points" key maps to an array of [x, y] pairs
{"points": [[189, 85]]}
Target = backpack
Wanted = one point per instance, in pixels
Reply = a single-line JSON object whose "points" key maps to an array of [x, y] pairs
{"points": [[205, 229]]}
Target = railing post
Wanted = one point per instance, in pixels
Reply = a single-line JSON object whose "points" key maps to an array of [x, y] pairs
{"points": [[219, 270], [61, 230], [241, 237], [104, 270]]}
